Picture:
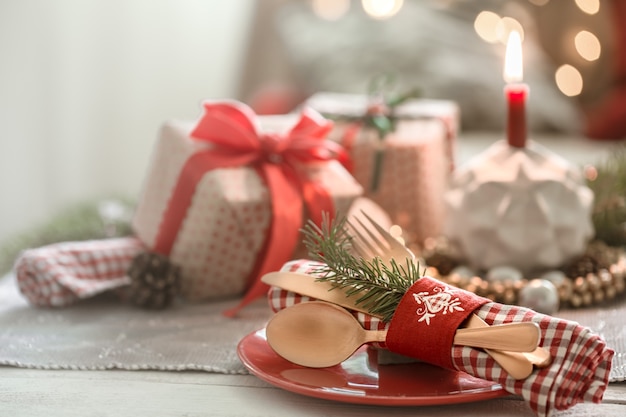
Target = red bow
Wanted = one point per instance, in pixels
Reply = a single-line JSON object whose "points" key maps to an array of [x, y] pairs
{"points": [[230, 127]]}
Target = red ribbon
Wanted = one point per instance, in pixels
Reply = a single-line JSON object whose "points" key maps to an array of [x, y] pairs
{"points": [[230, 128]]}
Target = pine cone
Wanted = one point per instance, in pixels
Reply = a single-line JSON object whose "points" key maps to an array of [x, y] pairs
{"points": [[604, 254], [581, 266], [155, 281], [438, 253], [444, 263]]}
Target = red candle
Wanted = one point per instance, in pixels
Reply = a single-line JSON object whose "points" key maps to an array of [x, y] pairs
{"points": [[515, 92]]}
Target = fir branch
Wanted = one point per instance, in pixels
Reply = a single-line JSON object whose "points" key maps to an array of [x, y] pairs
{"points": [[379, 286], [80, 221], [609, 188]]}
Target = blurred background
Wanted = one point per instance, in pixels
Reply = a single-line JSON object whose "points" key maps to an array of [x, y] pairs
{"points": [[86, 84]]}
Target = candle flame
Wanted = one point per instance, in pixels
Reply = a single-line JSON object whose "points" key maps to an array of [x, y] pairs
{"points": [[513, 66]]}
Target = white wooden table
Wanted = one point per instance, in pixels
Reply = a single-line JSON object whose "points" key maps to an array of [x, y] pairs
{"points": [[28, 392], [52, 393]]}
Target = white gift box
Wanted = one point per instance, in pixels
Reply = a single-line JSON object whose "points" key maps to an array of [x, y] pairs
{"points": [[417, 157]]}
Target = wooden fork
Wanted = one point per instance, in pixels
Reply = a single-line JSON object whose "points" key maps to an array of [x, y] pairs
{"points": [[368, 244]]}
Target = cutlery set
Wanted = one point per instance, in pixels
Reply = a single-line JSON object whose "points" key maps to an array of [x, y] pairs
{"points": [[324, 333]]}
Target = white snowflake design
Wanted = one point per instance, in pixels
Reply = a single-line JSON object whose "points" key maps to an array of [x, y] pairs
{"points": [[441, 301]]}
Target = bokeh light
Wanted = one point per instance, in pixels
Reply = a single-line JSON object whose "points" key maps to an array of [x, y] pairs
{"points": [[569, 80], [506, 26], [539, 2], [382, 9], [395, 231], [587, 45], [492, 28], [590, 172], [486, 24], [330, 9], [589, 6]]}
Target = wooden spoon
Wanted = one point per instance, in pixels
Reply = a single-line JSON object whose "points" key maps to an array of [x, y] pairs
{"points": [[518, 337], [317, 334], [322, 290], [539, 357]]}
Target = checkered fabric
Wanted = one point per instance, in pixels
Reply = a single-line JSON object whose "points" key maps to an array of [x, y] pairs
{"points": [[60, 274], [581, 360]]}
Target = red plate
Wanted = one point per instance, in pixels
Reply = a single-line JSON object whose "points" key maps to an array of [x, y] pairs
{"points": [[361, 380]]}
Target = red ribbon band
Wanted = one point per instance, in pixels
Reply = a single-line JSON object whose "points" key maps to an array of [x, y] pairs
{"points": [[427, 318]]}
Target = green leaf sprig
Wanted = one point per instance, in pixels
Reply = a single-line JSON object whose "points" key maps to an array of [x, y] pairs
{"points": [[381, 97], [381, 116], [378, 286]]}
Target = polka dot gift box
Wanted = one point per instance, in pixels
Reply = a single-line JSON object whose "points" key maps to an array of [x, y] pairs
{"points": [[225, 198], [406, 172]]}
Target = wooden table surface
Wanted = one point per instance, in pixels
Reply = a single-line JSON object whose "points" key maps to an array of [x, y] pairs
{"points": [[29, 392]]}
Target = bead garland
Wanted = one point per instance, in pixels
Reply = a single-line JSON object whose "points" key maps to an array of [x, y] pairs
{"points": [[585, 290], [579, 292]]}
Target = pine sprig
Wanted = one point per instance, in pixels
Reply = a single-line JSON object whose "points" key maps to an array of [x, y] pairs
{"points": [[378, 285], [609, 188]]}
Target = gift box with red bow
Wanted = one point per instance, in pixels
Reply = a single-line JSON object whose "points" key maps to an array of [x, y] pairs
{"points": [[225, 198], [406, 169]]}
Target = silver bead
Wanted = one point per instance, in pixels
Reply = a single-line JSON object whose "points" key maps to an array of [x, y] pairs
{"points": [[463, 271], [503, 274], [555, 276], [540, 295]]}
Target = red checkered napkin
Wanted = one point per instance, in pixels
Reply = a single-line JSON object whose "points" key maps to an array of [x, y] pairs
{"points": [[60, 274], [581, 360]]}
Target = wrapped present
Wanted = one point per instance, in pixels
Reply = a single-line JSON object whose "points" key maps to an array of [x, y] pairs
{"points": [[430, 310], [225, 197], [61, 274], [406, 170]]}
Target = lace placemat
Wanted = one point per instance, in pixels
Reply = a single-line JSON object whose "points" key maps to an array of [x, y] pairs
{"points": [[103, 333]]}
